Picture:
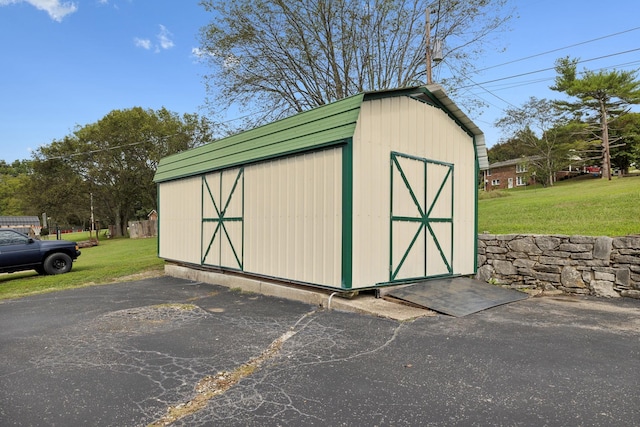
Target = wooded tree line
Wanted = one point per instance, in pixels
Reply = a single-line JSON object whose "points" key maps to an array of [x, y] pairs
{"points": [[112, 161]]}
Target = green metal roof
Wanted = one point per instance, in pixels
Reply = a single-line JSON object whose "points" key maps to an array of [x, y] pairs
{"points": [[327, 125], [323, 126]]}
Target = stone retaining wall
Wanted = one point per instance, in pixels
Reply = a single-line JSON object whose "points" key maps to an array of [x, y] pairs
{"points": [[600, 266]]}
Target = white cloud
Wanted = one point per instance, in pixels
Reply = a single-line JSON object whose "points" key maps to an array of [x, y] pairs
{"points": [[143, 43], [57, 10], [106, 3], [164, 38]]}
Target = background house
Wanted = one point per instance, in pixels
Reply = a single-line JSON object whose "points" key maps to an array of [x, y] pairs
{"points": [[509, 174]]}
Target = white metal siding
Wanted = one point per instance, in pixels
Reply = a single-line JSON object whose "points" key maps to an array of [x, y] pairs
{"points": [[411, 127], [179, 225], [293, 218]]}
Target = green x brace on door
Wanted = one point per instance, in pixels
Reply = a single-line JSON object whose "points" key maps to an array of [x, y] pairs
{"points": [[421, 218], [222, 226]]}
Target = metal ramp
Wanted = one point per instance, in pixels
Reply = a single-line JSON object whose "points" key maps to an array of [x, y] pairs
{"points": [[456, 296]]}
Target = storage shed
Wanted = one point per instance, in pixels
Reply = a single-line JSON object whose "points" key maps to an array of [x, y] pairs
{"points": [[373, 190], [23, 224]]}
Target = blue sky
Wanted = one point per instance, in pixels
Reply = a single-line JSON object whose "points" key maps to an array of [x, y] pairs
{"points": [[68, 63]]}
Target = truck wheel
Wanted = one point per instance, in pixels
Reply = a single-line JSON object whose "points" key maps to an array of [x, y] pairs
{"points": [[57, 263]]}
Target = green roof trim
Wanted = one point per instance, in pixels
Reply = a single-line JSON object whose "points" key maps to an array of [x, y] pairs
{"points": [[320, 127]]}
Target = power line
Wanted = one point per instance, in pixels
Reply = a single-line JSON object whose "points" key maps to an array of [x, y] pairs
{"points": [[506, 86], [100, 150], [466, 77], [551, 68], [558, 49], [512, 85], [92, 151]]}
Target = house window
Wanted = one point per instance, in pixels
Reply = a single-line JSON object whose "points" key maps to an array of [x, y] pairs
{"points": [[488, 172], [495, 182], [522, 168], [520, 180]]}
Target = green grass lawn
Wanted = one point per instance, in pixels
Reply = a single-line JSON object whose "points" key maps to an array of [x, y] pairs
{"points": [[110, 261], [587, 206]]}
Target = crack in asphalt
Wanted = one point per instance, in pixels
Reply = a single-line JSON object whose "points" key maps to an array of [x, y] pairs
{"points": [[211, 386], [264, 397]]}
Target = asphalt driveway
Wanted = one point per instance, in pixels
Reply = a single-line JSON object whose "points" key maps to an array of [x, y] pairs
{"points": [[124, 354]]}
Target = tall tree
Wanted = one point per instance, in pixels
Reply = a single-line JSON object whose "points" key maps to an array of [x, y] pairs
{"points": [[13, 178], [603, 95], [12, 191], [536, 125], [18, 167], [278, 57], [625, 137], [115, 160], [55, 189]]}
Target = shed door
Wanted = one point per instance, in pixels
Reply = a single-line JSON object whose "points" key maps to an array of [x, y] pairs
{"points": [[421, 226], [222, 219]]}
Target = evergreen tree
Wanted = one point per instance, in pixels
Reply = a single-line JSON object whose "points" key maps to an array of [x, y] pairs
{"points": [[602, 96]]}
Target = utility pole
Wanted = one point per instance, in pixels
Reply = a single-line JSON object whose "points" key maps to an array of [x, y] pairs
{"points": [[92, 220], [434, 49], [428, 43]]}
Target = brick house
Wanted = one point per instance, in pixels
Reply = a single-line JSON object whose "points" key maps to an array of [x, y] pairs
{"points": [[509, 174]]}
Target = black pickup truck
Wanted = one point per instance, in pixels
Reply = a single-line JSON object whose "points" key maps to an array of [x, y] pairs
{"points": [[19, 252]]}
